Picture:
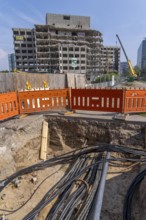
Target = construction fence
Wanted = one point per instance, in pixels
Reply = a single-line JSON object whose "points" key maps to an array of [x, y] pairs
{"points": [[105, 100], [10, 82]]}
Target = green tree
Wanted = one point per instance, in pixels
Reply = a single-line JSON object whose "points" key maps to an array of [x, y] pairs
{"points": [[137, 70], [4, 71]]}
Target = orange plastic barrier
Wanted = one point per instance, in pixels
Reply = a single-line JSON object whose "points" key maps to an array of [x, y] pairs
{"points": [[43, 100], [107, 100], [134, 101], [8, 105]]}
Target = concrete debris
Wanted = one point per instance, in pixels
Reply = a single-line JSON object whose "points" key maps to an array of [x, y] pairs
{"points": [[33, 180]]}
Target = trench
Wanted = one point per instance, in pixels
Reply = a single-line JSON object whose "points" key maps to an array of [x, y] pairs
{"points": [[66, 134], [76, 133]]}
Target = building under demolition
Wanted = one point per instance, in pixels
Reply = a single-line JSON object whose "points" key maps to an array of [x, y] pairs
{"points": [[110, 59], [64, 44]]}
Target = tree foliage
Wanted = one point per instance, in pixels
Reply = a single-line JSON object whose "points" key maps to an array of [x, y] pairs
{"points": [[4, 71], [137, 70]]}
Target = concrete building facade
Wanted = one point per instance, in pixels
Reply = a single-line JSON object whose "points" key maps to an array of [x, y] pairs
{"points": [[110, 59], [141, 57], [64, 44], [25, 50]]}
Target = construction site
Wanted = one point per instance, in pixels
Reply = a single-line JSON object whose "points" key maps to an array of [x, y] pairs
{"points": [[70, 149], [73, 154]]}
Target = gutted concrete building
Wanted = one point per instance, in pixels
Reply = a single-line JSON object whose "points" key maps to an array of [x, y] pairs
{"points": [[110, 59], [66, 43]]}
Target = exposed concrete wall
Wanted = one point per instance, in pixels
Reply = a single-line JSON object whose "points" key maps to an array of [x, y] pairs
{"points": [[54, 80], [71, 80], [6, 82], [76, 80], [57, 81], [80, 80], [71, 20], [17, 81]]}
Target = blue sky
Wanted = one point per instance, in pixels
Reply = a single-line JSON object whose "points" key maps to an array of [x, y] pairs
{"points": [[127, 18]]}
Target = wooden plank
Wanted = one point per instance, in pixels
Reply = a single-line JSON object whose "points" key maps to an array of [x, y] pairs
{"points": [[43, 152]]}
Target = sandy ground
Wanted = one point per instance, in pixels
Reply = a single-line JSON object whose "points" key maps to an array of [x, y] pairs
{"points": [[14, 197]]}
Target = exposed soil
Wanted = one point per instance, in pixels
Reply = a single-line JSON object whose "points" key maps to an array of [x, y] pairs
{"points": [[20, 146]]}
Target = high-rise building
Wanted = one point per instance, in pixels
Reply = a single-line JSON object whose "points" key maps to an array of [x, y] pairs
{"points": [[124, 68], [66, 43], [11, 61], [141, 56], [110, 59], [25, 50]]}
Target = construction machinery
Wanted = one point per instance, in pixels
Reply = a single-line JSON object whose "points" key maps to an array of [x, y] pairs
{"points": [[133, 73]]}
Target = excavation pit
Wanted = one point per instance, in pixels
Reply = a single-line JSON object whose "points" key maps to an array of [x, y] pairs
{"points": [[20, 147]]}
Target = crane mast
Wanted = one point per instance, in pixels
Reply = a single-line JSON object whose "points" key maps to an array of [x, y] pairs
{"points": [[128, 61]]}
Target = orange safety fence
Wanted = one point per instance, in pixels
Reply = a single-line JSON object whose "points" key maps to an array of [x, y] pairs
{"points": [[8, 105], [134, 101], [107, 100], [43, 100]]}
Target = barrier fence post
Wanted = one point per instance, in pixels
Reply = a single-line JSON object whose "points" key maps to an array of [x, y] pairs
{"points": [[124, 101], [70, 98]]}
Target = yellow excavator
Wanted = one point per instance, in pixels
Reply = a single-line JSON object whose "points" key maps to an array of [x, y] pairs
{"points": [[133, 73]]}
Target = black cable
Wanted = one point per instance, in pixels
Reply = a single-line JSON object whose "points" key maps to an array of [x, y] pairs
{"points": [[44, 202], [70, 158], [74, 198], [127, 215]]}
